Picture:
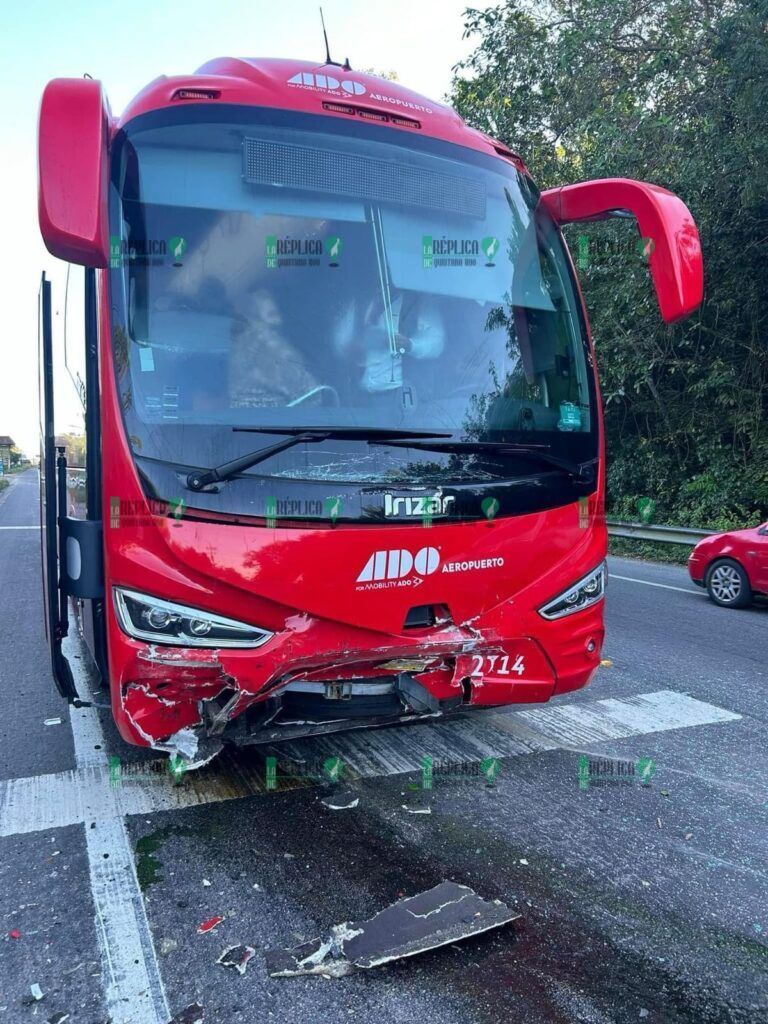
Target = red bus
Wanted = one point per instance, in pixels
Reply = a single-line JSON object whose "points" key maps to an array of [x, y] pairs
{"points": [[345, 461]]}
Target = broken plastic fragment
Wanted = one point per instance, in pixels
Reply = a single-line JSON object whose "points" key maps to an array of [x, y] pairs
{"points": [[192, 1014], [37, 992], [14, 934], [209, 925], [58, 1018], [52, 721], [445, 914], [237, 957], [343, 800]]}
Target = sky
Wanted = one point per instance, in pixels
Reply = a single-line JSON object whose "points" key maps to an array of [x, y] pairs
{"points": [[126, 46]]}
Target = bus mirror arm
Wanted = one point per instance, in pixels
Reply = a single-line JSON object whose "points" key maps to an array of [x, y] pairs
{"points": [[671, 240]]}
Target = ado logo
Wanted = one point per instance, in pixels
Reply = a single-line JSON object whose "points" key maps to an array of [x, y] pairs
{"points": [[398, 563], [327, 83]]}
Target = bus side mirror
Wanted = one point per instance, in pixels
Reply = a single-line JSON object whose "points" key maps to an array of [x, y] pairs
{"points": [[674, 249], [73, 171]]}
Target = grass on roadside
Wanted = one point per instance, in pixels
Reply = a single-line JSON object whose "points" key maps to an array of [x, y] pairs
{"points": [[647, 551], [4, 483]]}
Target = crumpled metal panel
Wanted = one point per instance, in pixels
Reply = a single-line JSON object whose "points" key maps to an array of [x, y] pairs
{"points": [[447, 913]]}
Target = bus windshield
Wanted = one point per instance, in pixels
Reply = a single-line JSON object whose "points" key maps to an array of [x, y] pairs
{"points": [[282, 269]]}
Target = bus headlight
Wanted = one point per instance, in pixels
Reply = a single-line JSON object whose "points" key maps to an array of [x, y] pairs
{"points": [[585, 592], [164, 622]]}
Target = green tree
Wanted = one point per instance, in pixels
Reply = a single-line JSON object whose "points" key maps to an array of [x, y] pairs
{"points": [[673, 92]]}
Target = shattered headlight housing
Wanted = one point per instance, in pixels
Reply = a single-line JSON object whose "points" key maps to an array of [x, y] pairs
{"points": [[585, 592], [164, 622]]}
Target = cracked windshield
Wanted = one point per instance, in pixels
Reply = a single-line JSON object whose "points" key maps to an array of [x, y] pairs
{"points": [[268, 275]]}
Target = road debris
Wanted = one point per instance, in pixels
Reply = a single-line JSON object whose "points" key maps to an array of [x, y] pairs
{"points": [[417, 808], [342, 800], [14, 934], [206, 883], [192, 1014], [440, 916], [52, 721], [237, 957], [37, 992], [168, 946], [58, 1018], [210, 925]]}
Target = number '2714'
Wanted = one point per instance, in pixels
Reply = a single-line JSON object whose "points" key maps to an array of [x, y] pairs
{"points": [[497, 665]]}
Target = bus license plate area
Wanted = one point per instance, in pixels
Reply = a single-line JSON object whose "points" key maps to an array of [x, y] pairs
{"points": [[512, 671]]}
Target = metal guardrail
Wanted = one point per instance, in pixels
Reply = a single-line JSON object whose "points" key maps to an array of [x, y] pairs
{"points": [[658, 534]]}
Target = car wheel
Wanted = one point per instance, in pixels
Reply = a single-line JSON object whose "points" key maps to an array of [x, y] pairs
{"points": [[728, 584]]}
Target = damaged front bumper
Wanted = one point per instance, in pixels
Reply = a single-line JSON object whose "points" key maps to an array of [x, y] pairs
{"points": [[308, 679]]}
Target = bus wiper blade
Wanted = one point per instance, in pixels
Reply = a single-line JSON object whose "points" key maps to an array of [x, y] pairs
{"points": [[344, 433], [537, 453], [297, 435]]}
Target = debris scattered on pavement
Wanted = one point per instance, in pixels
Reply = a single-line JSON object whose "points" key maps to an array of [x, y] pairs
{"points": [[658, 823], [168, 946], [52, 721], [237, 957], [524, 861], [438, 917], [209, 925], [688, 835], [644, 1013], [417, 808], [342, 800], [14, 934], [192, 1014], [37, 992], [58, 1018], [206, 883]]}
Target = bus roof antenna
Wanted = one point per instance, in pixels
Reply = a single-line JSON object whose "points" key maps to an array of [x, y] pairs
{"points": [[346, 65]]}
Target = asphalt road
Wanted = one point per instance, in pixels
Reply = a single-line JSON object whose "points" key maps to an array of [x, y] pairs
{"points": [[637, 902]]}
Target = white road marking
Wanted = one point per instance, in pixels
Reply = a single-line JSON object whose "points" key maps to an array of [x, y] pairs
{"points": [[19, 527], [133, 987], [662, 586], [94, 792]]}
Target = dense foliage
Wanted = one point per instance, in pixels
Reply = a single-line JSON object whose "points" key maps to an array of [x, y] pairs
{"points": [[674, 92]]}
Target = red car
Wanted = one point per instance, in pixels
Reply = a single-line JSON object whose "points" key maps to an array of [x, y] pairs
{"points": [[732, 566]]}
